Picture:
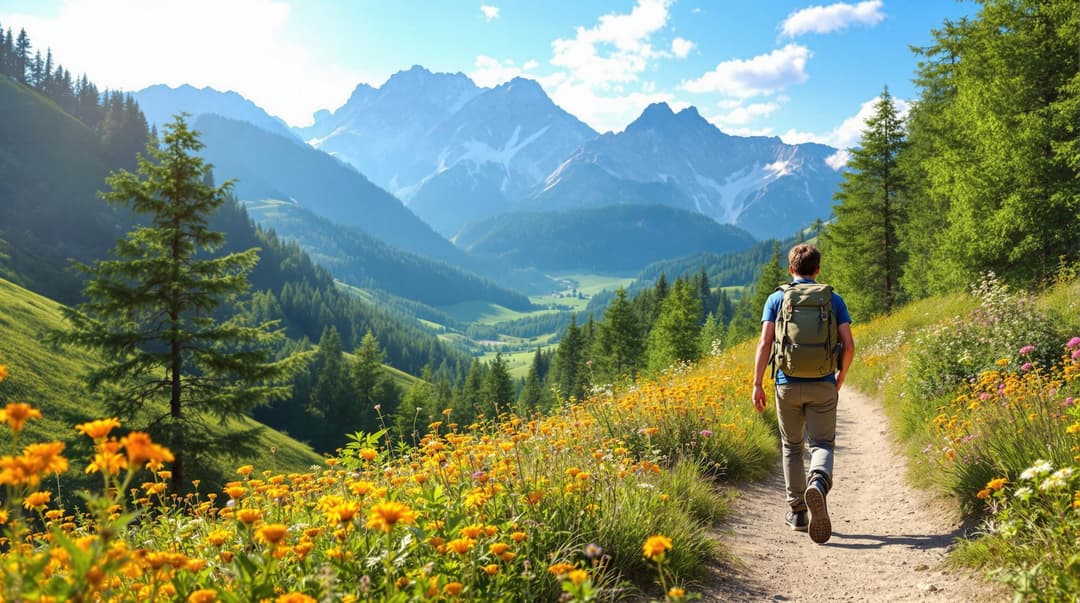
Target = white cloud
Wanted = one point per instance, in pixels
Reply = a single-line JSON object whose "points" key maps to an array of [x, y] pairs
{"points": [[846, 135], [491, 72], [530, 65], [835, 17], [605, 112], [599, 64], [838, 160], [617, 49], [490, 12], [740, 115], [681, 47], [761, 75], [748, 131], [241, 45]]}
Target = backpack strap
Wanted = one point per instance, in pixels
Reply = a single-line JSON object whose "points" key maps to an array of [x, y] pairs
{"points": [[778, 338]]}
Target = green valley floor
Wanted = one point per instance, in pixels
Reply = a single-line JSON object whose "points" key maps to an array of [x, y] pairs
{"points": [[889, 540]]}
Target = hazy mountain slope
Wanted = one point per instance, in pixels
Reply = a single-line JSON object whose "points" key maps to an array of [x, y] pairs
{"points": [[160, 102], [492, 153], [613, 238], [51, 168], [382, 132], [363, 261], [271, 166]]}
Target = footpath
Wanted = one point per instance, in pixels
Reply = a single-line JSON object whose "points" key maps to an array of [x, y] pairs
{"points": [[889, 540]]}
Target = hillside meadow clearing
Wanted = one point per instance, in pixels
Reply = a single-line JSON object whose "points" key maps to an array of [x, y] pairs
{"points": [[609, 497]]}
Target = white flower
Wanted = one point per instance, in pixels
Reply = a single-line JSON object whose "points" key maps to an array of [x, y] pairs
{"points": [[1054, 482], [1040, 467], [1024, 493], [1064, 474]]}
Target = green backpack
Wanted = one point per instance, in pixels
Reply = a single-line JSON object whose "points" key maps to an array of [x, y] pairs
{"points": [[806, 343]]}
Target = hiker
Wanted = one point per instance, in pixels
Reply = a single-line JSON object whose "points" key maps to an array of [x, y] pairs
{"points": [[806, 336]]}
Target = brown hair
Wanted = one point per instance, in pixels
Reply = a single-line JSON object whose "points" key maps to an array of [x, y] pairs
{"points": [[805, 259]]}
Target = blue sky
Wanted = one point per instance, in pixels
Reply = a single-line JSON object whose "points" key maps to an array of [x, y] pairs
{"points": [[799, 70]]}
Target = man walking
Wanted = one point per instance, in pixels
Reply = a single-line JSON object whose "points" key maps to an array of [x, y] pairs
{"points": [[806, 332]]}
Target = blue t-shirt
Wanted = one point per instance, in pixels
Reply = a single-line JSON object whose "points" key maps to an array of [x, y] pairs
{"points": [[772, 310]]}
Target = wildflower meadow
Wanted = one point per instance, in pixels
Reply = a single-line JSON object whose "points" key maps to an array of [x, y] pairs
{"points": [[985, 391], [602, 499]]}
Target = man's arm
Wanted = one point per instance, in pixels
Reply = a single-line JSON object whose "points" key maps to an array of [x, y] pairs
{"points": [[848, 353], [761, 360]]}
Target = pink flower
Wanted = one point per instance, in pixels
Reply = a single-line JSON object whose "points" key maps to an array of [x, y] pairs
{"points": [[1068, 402], [705, 433], [1026, 366], [984, 396], [1074, 342], [1076, 355], [1024, 351]]}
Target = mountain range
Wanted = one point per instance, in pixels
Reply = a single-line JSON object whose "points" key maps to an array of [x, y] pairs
{"points": [[457, 153]]}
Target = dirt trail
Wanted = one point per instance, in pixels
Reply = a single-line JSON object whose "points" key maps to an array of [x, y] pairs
{"points": [[889, 540]]}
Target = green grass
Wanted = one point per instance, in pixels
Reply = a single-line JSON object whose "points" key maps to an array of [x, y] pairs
{"points": [[484, 312], [50, 379]]}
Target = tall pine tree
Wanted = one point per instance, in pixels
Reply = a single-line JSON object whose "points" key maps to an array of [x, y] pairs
{"points": [[170, 366], [862, 243]]}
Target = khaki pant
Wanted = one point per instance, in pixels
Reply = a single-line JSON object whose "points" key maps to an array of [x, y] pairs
{"points": [[806, 410]]}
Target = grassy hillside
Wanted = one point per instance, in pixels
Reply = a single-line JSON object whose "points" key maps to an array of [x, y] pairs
{"points": [[50, 379]]}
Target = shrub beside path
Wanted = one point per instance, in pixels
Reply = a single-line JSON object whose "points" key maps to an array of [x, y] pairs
{"points": [[889, 540]]}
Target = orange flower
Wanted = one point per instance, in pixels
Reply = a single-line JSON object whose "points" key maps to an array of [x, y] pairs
{"points": [[249, 516], [218, 537], [107, 458], [98, 429], [3, 372], [342, 512], [236, 492], [369, 454], [37, 500], [45, 457], [577, 576], [245, 470], [140, 449], [560, 569], [272, 533], [453, 588], [997, 484], [17, 413], [491, 569], [204, 595], [385, 515], [655, 547], [296, 598], [460, 545]]}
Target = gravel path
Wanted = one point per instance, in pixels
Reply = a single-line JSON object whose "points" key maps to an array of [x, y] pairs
{"points": [[889, 540]]}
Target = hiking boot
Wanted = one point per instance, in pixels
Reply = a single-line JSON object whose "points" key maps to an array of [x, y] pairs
{"points": [[820, 527], [796, 520]]}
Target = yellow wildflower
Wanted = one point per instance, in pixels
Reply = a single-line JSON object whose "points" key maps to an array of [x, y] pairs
{"points": [[655, 547]]}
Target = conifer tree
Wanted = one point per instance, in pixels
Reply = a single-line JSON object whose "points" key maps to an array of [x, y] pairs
{"points": [[620, 344], [862, 243], [532, 392], [674, 337], [21, 56], [746, 322], [568, 367], [498, 391], [331, 396], [373, 387], [169, 365]]}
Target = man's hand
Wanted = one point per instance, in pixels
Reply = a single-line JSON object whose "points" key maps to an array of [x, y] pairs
{"points": [[759, 397], [840, 380]]}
